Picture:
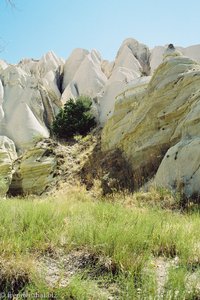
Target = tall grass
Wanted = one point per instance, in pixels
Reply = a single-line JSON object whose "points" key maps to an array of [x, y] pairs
{"points": [[131, 236]]}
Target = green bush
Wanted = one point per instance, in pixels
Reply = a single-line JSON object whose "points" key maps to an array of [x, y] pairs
{"points": [[74, 118]]}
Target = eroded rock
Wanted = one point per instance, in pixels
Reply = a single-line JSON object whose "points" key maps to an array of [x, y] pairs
{"points": [[7, 157], [180, 168], [35, 170], [157, 116]]}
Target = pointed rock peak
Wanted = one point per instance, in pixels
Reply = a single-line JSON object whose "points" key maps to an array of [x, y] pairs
{"points": [[50, 56], [77, 52], [136, 51], [72, 64], [133, 45], [130, 41]]}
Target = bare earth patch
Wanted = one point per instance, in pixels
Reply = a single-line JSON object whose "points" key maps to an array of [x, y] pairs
{"points": [[58, 271]]}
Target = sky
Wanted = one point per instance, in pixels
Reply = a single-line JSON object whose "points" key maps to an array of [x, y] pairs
{"points": [[34, 27]]}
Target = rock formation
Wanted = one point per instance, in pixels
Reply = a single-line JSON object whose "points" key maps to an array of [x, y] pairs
{"points": [[180, 168], [34, 171], [132, 61], [157, 53], [150, 105], [32, 92], [150, 120], [29, 100]]}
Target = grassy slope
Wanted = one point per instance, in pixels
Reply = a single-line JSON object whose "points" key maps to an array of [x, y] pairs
{"points": [[132, 236]]}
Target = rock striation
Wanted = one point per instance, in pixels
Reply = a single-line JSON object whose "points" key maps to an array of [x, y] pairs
{"points": [[161, 114], [36, 169]]}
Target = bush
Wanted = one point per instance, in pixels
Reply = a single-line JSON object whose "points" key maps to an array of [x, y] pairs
{"points": [[75, 118]]}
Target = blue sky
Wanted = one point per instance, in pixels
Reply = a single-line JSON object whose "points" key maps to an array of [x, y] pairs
{"points": [[36, 26]]}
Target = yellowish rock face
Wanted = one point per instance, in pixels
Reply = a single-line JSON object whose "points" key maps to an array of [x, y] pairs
{"points": [[148, 121], [34, 172]]}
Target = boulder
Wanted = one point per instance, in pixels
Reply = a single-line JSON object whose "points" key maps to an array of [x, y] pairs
{"points": [[180, 168], [7, 157]]}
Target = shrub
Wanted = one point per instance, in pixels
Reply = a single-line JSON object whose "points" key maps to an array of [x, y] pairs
{"points": [[74, 118]]}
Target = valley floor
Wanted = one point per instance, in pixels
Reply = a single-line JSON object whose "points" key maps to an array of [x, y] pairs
{"points": [[75, 245]]}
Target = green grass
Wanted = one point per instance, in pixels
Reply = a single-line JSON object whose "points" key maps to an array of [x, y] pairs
{"points": [[131, 236], [179, 286]]}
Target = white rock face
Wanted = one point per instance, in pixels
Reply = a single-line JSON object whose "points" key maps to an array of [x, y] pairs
{"points": [[29, 99], [72, 64], [7, 156], [104, 80], [75, 83], [23, 108], [134, 55], [132, 61], [107, 67], [48, 70], [180, 168], [193, 52], [94, 80], [156, 57]]}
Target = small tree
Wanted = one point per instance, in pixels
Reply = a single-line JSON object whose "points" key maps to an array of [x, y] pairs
{"points": [[74, 118]]}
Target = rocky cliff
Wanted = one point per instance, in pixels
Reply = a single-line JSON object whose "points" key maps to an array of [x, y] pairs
{"points": [[146, 104]]}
